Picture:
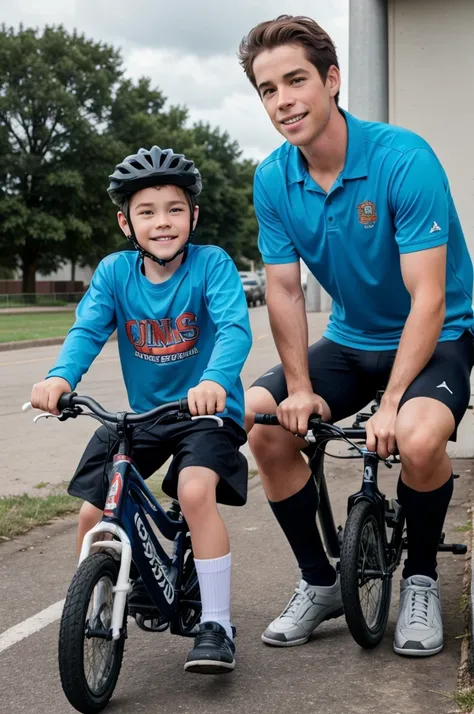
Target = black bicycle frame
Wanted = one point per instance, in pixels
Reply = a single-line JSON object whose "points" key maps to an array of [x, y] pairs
{"points": [[130, 504]]}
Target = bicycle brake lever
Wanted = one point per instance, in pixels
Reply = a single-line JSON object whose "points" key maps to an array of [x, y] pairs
{"points": [[45, 415], [217, 419]]}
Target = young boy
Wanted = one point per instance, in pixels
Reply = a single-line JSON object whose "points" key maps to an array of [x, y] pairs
{"points": [[183, 329]]}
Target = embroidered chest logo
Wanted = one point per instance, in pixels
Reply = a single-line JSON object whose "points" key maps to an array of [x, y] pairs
{"points": [[164, 340], [367, 213]]}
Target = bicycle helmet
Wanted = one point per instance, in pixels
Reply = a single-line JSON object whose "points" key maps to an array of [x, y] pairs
{"points": [[153, 167]]}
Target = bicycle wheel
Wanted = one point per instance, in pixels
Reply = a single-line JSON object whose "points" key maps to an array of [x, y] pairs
{"points": [[89, 665], [366, 592]]}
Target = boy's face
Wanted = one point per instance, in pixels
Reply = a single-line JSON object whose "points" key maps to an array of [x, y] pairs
{"points": [[161, 219], [295, 97]]}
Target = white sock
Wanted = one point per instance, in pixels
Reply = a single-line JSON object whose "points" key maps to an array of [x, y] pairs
{"points": [[214, 583]]}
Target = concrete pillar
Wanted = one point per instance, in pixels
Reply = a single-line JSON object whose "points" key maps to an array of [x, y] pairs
{"points": [[368, 59], [313, 294]]}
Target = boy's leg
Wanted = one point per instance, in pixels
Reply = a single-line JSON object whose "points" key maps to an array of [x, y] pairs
{"points": [[89, 516], [207, 469], [213, 650]]}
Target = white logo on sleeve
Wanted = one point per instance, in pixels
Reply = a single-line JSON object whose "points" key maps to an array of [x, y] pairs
{"points": [[443, 384], [434, 227]]}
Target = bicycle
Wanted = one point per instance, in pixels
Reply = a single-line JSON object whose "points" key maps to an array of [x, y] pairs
{"points": [[370, 545], [93, 626]]}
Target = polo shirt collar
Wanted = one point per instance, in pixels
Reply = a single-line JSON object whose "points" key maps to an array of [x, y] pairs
{"points": [[356, 157]]}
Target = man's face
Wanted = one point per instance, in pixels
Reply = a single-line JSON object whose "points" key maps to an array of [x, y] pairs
{"points": [[295, 97]]}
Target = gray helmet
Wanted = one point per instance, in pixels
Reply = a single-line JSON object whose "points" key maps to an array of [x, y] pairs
{"points": [[153, 167]]}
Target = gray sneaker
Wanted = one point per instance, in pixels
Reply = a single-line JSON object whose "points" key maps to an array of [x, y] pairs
{"points": [[309, 606], [419, 630]]}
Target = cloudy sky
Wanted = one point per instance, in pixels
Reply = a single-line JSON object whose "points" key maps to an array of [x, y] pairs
{"points": [[188, 48]]}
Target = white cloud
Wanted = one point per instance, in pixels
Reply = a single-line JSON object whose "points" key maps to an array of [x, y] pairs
{"points": [[188, 49]]}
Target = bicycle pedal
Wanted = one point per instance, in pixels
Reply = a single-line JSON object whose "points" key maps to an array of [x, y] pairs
{"points": [[157, 624]]}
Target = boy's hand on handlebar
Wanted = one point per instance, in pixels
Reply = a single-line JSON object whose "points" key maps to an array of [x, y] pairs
{"points": [[207, 398], [45, 395], [293, 413]]}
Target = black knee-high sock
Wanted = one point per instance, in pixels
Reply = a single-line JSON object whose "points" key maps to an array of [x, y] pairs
{"points": [[297, 518], [425, 512]]}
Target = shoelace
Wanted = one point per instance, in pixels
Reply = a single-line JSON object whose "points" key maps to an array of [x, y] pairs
{"points": [[418, 606], [210, 637], [295, 602]]}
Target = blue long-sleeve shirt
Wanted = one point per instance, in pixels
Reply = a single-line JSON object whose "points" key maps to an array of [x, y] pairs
{"points": [[171, 335]]}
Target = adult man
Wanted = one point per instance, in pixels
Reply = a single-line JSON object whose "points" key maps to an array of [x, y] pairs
{"points": [[368, 208]]}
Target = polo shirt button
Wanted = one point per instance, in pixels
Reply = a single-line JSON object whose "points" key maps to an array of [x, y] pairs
{"points": [[330, 218]]}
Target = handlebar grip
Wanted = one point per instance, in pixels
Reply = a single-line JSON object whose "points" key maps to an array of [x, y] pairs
{"points": [[26, 407], [65, 400], [267, 419]]}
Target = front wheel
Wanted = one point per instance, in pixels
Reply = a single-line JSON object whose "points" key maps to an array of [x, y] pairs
{"points": [[366, 587], [89, 660]]}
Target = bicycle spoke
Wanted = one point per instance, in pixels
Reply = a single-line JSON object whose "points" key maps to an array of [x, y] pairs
{"points": [[98, 652]]}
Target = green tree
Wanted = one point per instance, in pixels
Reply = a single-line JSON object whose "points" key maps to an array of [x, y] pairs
{"points": [[67, 116], [55, 89]]}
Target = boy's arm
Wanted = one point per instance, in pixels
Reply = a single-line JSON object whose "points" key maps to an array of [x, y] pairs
{"points": [[95, 322], [227, 307]]}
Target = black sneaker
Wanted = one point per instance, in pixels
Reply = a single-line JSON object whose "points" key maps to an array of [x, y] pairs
{"points": [[213, 651]]}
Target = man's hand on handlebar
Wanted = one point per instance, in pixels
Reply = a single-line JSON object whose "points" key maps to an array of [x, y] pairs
{"points": [[293, 413], [45, 394], [380, 430]]}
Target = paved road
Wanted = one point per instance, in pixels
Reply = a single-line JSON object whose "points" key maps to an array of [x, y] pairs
{"points": [[330, 674]]}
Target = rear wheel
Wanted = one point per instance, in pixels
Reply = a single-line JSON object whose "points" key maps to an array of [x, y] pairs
{"points": [[366, 589], [89, 660]]}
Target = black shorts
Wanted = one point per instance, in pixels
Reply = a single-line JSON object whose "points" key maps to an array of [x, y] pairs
{"points": [[348, 379], [191, 443]]}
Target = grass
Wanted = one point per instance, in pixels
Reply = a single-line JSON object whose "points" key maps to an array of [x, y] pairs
{"points": [[34, 325], [464, 698], [466, 528], [19, 514]]}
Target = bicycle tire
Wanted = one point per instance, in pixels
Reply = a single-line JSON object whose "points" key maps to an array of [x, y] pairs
{"points": [[72, 634], [367, 635]]}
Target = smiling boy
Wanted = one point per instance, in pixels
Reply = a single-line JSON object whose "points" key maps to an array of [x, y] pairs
{"points": [[183, 330]]}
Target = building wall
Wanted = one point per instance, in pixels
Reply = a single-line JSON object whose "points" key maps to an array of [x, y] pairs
{"points": [[431, 82]]}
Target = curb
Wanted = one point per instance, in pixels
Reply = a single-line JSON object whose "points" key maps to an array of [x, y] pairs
{"points": [[45, 342]]}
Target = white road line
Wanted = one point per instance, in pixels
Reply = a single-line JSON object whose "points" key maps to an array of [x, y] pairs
{"points": [[31, 625]]}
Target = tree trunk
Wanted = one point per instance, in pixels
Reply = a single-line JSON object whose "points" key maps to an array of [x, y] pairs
{"points": [[29, 277], [72, 296]]}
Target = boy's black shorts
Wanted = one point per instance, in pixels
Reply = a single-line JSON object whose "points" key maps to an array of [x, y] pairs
{"points": [[348, 379], [191, 443]]}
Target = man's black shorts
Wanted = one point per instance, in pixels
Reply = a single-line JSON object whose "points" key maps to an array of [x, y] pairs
{"points": [[348, 379], [191, 443]]}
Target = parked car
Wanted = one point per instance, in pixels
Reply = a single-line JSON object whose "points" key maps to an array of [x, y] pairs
{"points": [[253, 288]]}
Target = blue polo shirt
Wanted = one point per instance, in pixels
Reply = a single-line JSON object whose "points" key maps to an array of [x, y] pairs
{"points": [[392, 197]]}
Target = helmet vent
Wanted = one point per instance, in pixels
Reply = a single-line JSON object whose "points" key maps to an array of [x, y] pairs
{"points": [[136, 165]]}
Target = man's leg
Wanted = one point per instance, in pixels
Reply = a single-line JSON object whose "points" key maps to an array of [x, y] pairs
{"points": [[291, 490], [423, 428]]}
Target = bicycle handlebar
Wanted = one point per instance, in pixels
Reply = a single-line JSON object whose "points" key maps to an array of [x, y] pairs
{"points": [[71, 400], [316, 425]]}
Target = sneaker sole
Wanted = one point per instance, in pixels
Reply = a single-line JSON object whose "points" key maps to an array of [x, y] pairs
{"points": [[301, 640], [209, 666], [417, 653]]}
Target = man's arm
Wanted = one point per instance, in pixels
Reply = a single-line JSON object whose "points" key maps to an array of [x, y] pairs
{"points": [[424, 275], [418, 197], [287, 312]]}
